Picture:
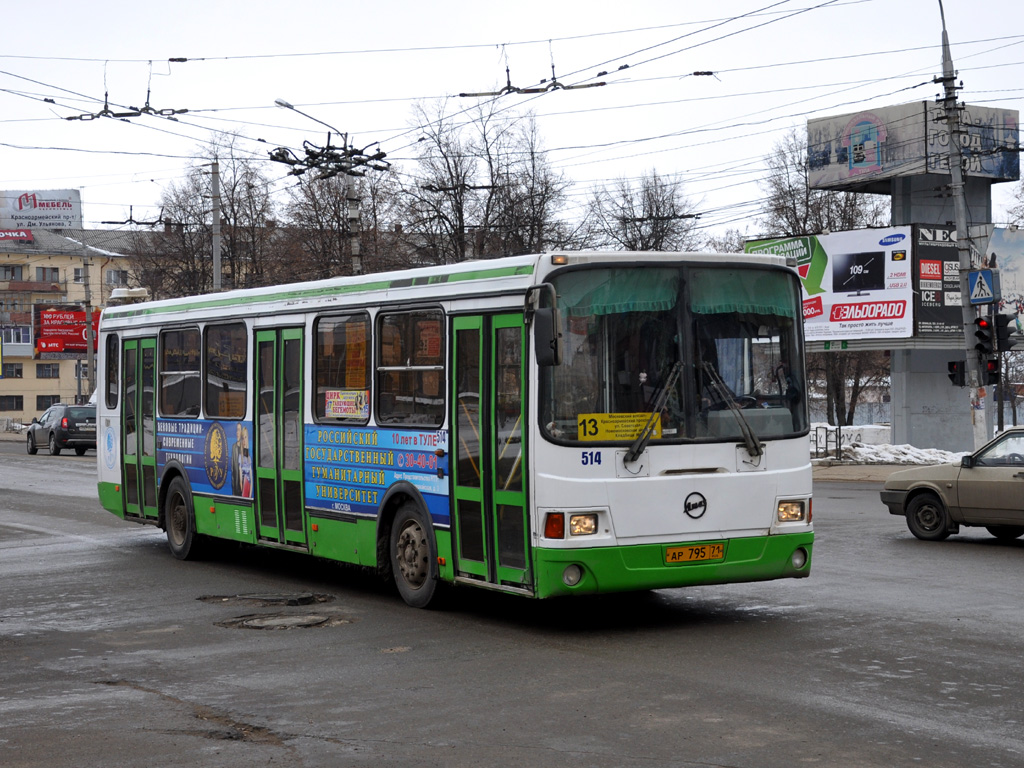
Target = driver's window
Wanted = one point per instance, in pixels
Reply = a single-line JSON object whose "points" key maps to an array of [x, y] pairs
{"points": [[1007, 452]]}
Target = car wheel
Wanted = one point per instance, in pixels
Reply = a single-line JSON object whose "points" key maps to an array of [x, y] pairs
{"points": [[80, 450], [30, 445], [54, 448], [1006, 532], [412, 561], [926, 518]]}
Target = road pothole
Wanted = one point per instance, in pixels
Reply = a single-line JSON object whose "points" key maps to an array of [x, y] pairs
{"points": [[285, 621], [264, 599]]}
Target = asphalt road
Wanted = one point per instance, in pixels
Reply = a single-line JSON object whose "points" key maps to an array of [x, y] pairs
{"points": [[895, 652]]}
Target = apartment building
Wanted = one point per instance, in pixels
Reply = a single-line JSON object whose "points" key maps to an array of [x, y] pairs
{"points": [[44, 277]]}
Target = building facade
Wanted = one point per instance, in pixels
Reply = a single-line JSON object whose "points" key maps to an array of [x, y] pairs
{"points": [[46, 274]]}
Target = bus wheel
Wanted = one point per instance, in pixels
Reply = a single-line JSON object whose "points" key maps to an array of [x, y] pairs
{"points": [[926, 518], [412, 560], [180, 521]]}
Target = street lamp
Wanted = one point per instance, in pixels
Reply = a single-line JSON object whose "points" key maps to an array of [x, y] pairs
{"points": [[286, 105]]}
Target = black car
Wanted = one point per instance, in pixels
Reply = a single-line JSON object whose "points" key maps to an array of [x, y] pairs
{"points": [[63, 426]]}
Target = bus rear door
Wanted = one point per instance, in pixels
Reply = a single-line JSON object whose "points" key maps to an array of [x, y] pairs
{"points": [[138, 428]]}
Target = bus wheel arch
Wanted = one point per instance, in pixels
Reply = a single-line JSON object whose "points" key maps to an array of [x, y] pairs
{"points": [[407, 546]]}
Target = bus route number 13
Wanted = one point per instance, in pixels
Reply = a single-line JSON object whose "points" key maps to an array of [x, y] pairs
{"points": [[588, 458]]}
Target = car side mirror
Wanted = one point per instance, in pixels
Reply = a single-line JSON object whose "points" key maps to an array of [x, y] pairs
{"points": [[35, 420], [967, 462]]}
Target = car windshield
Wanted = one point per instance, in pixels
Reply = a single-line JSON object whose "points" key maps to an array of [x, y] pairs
{"points": [[734, 330]]}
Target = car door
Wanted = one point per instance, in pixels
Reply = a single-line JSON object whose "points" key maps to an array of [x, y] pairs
{"points": [[991, 492]]}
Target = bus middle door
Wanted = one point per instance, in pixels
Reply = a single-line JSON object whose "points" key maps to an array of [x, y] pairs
{"points": [[490, 530], [280, 505]]}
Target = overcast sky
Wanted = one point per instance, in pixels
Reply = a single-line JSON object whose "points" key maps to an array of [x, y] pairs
{"points": [[361, 67]]}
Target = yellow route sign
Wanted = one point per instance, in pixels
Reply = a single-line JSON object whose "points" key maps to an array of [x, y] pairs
{"points": [[614, 426]]}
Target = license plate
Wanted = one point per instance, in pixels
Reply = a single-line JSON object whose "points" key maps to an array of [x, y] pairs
{"points": [[87, 427], [695, 553]]}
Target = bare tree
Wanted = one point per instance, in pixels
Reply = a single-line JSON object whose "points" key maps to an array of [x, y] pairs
{"points": [[652, 214], [792, 208], [484, 188], [178, 260]]}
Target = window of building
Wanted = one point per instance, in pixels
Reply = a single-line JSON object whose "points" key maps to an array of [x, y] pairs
{"points": [[47, 370], [13, 370], [45, 401], [342, 370], [410, 369], [79, 274], [17, 334], [12, 272], [180, 384], [47, 275], [117, 277], [81, 369], [12, 403], [226, 370], [111, 360]]}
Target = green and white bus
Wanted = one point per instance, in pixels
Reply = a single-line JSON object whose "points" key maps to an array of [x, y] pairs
{"points": [[558, 424]]}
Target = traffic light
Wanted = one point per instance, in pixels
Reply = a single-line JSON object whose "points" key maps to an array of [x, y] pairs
{"points": [[983, 333], [957, 372], [991, 371], [1003, 332]]}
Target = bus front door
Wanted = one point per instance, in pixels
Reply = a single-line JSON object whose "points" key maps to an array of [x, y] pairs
{"points": [[490, 529], [280, 507], [138, 428]]}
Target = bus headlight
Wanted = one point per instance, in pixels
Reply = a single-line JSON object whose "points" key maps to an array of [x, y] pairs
{"points": [[582, 525], [790, 512]]}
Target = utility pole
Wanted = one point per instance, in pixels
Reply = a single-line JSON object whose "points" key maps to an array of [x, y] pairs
{"points": [[216, 225], [952, 109], [90, 336]]}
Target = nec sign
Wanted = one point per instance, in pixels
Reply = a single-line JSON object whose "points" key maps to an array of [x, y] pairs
{"points": [[936, 235]]}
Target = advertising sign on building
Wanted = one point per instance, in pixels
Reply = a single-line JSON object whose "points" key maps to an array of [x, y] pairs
{"points": [[856, 285], [41, 209], [869, 148], [61, 331]]}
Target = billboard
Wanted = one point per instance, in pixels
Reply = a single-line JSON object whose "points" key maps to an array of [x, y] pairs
{"points": [[46, 209], [61, 331], [866, 149], [856, 285], [1006, 253]]}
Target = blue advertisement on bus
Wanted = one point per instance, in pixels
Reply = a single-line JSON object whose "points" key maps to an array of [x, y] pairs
{"points": [[217, 457], [348, 470]]}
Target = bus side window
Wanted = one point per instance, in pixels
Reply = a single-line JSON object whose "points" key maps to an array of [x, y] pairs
{"points": [[180, 387], [111, 357], [410, 371], [341, 369]]}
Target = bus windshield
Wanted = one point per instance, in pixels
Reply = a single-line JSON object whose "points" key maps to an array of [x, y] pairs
{"points": [[735, 330]]}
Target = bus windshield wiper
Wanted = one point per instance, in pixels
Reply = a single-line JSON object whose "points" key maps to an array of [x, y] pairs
{"points": [[647, 432], [753, 445]]}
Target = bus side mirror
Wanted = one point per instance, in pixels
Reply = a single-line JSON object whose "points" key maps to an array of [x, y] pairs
{"points": [[547, 340], [546, 322]]}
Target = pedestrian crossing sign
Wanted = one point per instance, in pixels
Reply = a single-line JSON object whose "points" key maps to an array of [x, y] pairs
{"points": [[980, 286]]}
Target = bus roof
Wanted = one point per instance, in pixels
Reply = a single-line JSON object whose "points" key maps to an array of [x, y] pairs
{"points": [[511, 275]]}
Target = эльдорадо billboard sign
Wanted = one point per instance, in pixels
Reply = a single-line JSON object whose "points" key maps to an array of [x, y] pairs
{"points": [[856, 285]]}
